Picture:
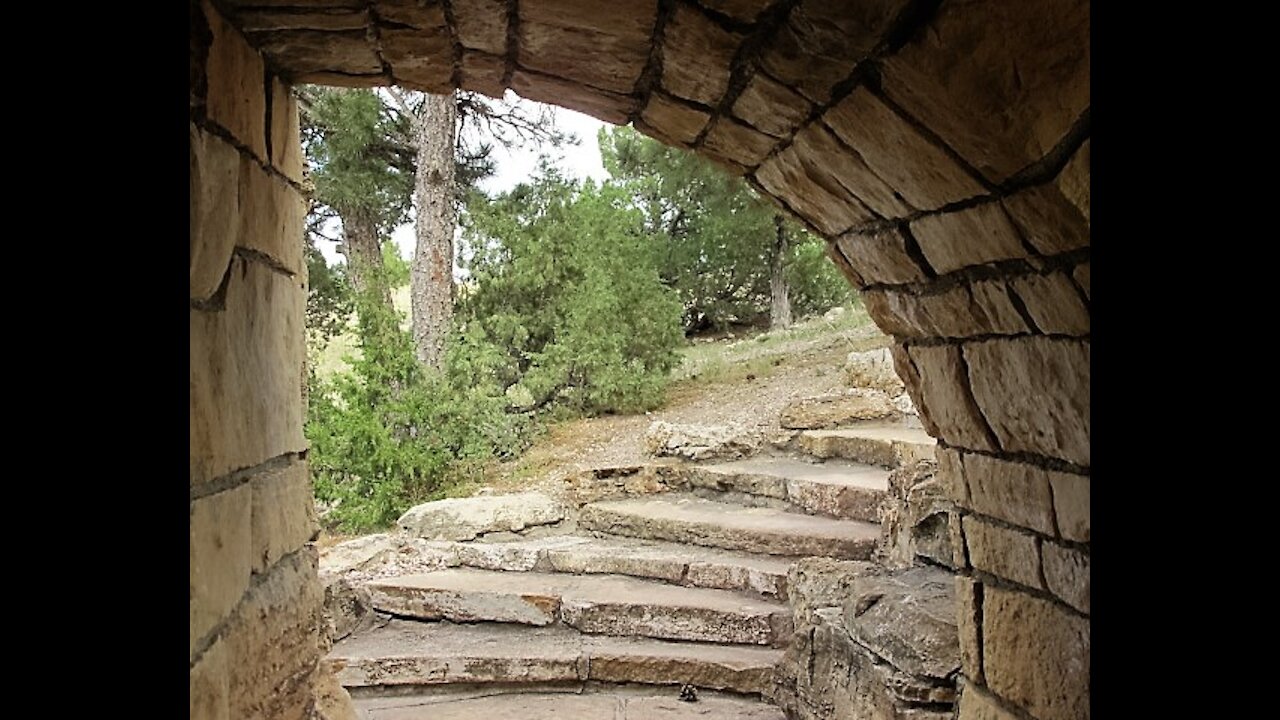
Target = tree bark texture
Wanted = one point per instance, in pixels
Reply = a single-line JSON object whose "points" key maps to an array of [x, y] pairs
{"points": [[363, 250], [780, 305], [431, 285]]}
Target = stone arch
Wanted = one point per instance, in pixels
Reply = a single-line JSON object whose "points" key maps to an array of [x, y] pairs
{"points": [[941, 147]]}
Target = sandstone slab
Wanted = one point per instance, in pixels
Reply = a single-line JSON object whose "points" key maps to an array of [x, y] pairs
{"points": [[907, 618], [976, 235], [826, 411], [696, 56], [873, 369], [888, 446], [467, 518], [674, 119], [1035, 654], [699, 442]]}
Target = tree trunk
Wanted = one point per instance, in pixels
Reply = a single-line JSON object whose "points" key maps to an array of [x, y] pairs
{"points": [[780, 307], [431, 287], [363, 251]]}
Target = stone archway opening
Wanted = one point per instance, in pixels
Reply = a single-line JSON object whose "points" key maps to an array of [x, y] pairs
{"points": [[941, 147]]}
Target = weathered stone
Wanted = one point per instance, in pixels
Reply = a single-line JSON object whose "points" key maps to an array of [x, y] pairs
{"points": [[672, 708], [483, 73], [609, 107], [945, 399], [463, 596], [978, 235], [908, 619], [286, 143], [842, 171], [1073, 181], [654, 618], [604, 50], [236, 99], [823, 40], [221, 557], [420, 59], [696, 56], [951, 472], [1003, 552], [1002, 85], [210, 681], [713, 524], [481, 25], [278, 626], [1047, 219], [888, 446], [1066, 572], [673, 118], [916, 518], [881, 256], [631, 660], [982, 308], [518, 556], [304, 51], [771, 107], [420, 14], [358, 553], [922, 172], [786, 177], [817, 582], [1035, 394], [699, 442], [346, 608], [832, 410], [969, 626], [271, 217], [283, 514], [215, 210], [332, 702], [764, 575], [744, 10], [1081, 276], [978, 705], [466, 518], [1053, 302], [1035, 654], [843, 265], [1015, 492], [337, 79], [1071, 505], [737, 143], [267, 19]]}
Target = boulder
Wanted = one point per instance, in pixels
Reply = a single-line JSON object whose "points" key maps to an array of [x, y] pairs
{"points": [[469, 518], [835, 410], [700, 442]]}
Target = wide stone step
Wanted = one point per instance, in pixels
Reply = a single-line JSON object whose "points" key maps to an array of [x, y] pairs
{"points": [[696, 521], [689, 565], [607, 704], [888, 446], [840, 489], [413, 653], [595, 604]]}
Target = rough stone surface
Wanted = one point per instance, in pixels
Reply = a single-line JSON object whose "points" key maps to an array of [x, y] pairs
{"points": [[610, 107], [1036, 655], [980, 308], [467, 518], [221, 557], [286, 142], [283, 514], [835, 489], [332, 702], [271, 213], [699, 442], [1053, 302], [918, 168], [696, 54], [737, 143], [978, 235], [787, 177], [1002, 85], [215, 210], [771, 107], [881, 256], [234, 72], [1066, 572], [1035, 393], [1015, 492], [703, 522], [826, 411], [346, 607], [743, 10], [873, 369], [978, 705], [420, 59], [1081, 276], [481, 25], [887, 446], [673, 118], [908, 619], [575, 41], [570, 706], [358, 553], [1003, 552], [740, 668], [267, 19], [818, 582], [1071, 505], [483, 73], [1048, 219], [844, 173], [347, 52], [917, 518], [970, 627], [945, 398], [209, 685], [1073, 181]]}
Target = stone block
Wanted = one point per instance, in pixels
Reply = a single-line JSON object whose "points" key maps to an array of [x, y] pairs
{"points": [[220, 557], [843, 172], [215, 210], [236, 99], [977, 235], [771, 107], [945, 397], [210, 684], [982, 308], [286, 142], [969, 626], [1066, 572], [284, 516], [1071, 505], [1036, 655], [347, 52], [1015, 492], [1081, 275], [737, 143], [609, 107], [881, 256], [481, 25], [272, 217], [978, 705], [696, 56], [483, 73], [1002, 552], [1053, 302], [673, 118], [788, 177], [741, 10], [420, 59], [1047, 219]]}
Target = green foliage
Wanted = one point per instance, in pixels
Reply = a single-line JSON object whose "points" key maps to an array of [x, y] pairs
{"points": [[329, 301], [565, 289], [391, 433], [714, 236], [397, 267]]}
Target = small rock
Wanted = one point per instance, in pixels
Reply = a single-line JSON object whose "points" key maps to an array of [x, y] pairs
{"points": [[825, 411], [700, 442], [467, 518]]}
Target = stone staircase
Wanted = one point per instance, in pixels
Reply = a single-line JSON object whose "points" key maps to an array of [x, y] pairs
{"points": [[636, 583]]}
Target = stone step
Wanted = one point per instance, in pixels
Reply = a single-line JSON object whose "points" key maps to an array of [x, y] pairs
{"points": [[837, 488], [607, 703], [405, 652], [888, 446], [688, 565], [697, 521], [594, 604]]}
